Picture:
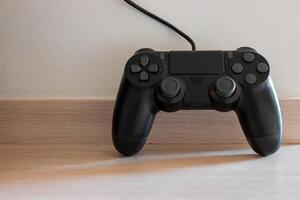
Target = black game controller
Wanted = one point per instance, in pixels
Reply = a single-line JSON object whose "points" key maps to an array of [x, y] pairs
{"points": [[190, 80]]}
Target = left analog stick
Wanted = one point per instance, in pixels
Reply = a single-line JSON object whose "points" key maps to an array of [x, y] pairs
{"points": [[170, 87]]}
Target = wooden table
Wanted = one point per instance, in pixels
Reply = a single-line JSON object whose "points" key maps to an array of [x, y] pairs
{"points": [[159, 172]]}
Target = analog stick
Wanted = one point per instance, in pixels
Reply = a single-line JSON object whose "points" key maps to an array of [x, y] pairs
{"points": [[225, 87], [170, 87]]}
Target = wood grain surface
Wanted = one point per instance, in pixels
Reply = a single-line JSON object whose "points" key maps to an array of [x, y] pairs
{"points": [[212, 172], [61, 149], [89, 122]]}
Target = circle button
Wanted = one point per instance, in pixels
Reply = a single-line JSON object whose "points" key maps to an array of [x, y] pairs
{"points": [[170, 87], [262, 68], [225, 87]]}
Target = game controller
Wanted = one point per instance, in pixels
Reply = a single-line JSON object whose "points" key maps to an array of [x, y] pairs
{"points": [[237, 81]]}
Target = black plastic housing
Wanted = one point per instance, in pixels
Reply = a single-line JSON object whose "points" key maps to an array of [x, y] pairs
{"points": [[140, 96]]}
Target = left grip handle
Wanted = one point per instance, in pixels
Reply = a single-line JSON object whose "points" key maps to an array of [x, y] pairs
{"points": [[133, 117]]}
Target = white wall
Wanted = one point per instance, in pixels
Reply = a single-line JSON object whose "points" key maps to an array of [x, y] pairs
{"points": [[78, 48]]}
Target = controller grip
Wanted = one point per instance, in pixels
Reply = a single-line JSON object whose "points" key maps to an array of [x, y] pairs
{"points": [[260, 118], [133, 117]]}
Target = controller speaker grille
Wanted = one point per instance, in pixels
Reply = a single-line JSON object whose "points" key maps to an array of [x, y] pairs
{"points": [[197, 80]]}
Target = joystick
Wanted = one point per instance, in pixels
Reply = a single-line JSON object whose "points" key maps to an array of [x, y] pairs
{"points": [[225, 87], [170, 87]]}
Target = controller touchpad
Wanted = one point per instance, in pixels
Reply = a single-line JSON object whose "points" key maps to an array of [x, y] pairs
{"points": [[196, 62]]}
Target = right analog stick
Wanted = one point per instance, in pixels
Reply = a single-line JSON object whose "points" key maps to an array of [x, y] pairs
{"points": [[225, 87], [170, 87]]}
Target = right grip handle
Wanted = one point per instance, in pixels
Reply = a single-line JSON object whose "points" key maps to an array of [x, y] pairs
{"points": [[133, 117], [260, 118]]}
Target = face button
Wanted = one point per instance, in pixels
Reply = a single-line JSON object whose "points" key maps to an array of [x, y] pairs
{"points": [[152, 69], [230, 55], [225, 87], [237, 68], [170, 87], [262, 68], [135, 69], [249, 57], [251, 79], [145, 60], [144, 76]]}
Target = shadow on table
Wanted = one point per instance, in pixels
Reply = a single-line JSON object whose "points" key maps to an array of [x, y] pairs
{"points": [[61, 162]]}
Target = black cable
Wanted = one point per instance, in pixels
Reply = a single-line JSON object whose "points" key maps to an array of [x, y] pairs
{"points": [[185, 36]]}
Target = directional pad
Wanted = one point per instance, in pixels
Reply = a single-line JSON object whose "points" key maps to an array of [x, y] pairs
{"points": [[145, 60], [144, 76], [135, 69], [144, 69], [152, 69]]}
